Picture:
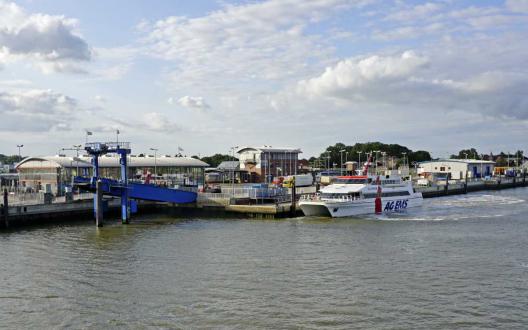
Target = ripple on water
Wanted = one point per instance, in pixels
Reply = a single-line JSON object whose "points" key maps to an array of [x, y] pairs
{"points": [[310, 273]]}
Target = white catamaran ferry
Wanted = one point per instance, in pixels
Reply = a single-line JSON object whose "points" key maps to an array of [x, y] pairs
{"points": [[362, 194]]}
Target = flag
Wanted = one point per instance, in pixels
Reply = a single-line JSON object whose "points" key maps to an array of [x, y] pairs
{"points": [[117, 131], [89, 133], [180, 148]]}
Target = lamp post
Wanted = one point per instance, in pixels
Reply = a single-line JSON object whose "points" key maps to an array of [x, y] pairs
{"points": [[328, 161], [341, 166], [19, 146], [155, 160], [77, 147], [404, 159], [359, 159], [481, 165], [284, 164], [376, 155], [233, 170], [346, 160]]}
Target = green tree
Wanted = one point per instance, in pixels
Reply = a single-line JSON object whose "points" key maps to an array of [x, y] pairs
{"points": [[362, 149], [4, 159], [419, 156], [471, 153], [216, 159]]}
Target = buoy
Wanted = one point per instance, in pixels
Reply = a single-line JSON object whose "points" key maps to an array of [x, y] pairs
{"points": [[377, 205], [377, 201]]}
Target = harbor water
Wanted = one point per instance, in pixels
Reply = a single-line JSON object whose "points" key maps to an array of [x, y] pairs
{"points": [[458, 262]]}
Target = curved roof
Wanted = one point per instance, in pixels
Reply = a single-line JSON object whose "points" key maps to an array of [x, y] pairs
{"points": [[466, 161], [53, 162], [270, 149], [110, 161]]}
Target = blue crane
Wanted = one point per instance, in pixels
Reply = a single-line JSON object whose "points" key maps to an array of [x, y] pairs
{"points": [[127, 191]]}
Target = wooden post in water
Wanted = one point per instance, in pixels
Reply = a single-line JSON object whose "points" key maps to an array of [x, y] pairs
{"points": [[465, 184], [5, 210], [98, 204], [294, 197]]}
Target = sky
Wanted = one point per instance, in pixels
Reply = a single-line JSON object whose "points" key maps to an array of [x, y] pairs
{"points": [[205, 76]]}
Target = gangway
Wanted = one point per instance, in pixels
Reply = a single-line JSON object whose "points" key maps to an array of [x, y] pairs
{"points": [[127, 191]]}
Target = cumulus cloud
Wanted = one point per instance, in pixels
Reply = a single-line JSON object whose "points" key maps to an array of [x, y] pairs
{"points": [[415, 13], [520, 6], [190, 102], [353, 77], [158, 122], [410, 81], [36, 110], [253, 42], [52, 42]]}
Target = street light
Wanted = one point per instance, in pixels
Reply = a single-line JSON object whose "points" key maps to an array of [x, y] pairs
{"points": [[341, 166], [19, 154], [376, 155], [404, 159], [359, 159], [77, 147], [233, 170], [415, 164], [155, 160]]}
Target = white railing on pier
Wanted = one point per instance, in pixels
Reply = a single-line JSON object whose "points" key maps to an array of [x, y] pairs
{"points": [[25, 198]]}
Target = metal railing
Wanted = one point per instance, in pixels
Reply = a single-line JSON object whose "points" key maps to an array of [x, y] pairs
{"points": [[104, 146], [35, 198], [251, 193]]}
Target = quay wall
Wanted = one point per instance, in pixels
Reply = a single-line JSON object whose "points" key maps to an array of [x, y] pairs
{"points": [[471, 186], [212, 205]]}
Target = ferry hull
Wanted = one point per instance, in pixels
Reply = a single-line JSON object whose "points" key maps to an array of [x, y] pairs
{"points": [[359, 207]]}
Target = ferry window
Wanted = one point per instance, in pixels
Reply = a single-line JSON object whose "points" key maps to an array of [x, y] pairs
{"points": [[442, 168], [395, 193], [350, 181], [436, 168]]}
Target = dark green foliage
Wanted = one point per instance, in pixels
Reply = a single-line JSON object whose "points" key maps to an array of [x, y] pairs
{"points": [[471, 153], [391, 150], [10, 159], [216, 159]]}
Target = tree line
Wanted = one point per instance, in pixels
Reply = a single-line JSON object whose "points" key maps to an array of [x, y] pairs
{"points": [[4, 159], [501, 159], [361, 150]]}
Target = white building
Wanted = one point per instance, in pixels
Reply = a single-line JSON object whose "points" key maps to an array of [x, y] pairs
{"points": [[58, 171], [457, 168], [264, 163]]}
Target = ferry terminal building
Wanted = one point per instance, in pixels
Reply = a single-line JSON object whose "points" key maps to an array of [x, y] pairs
{"points": [[263, 164], [35, 173]]}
